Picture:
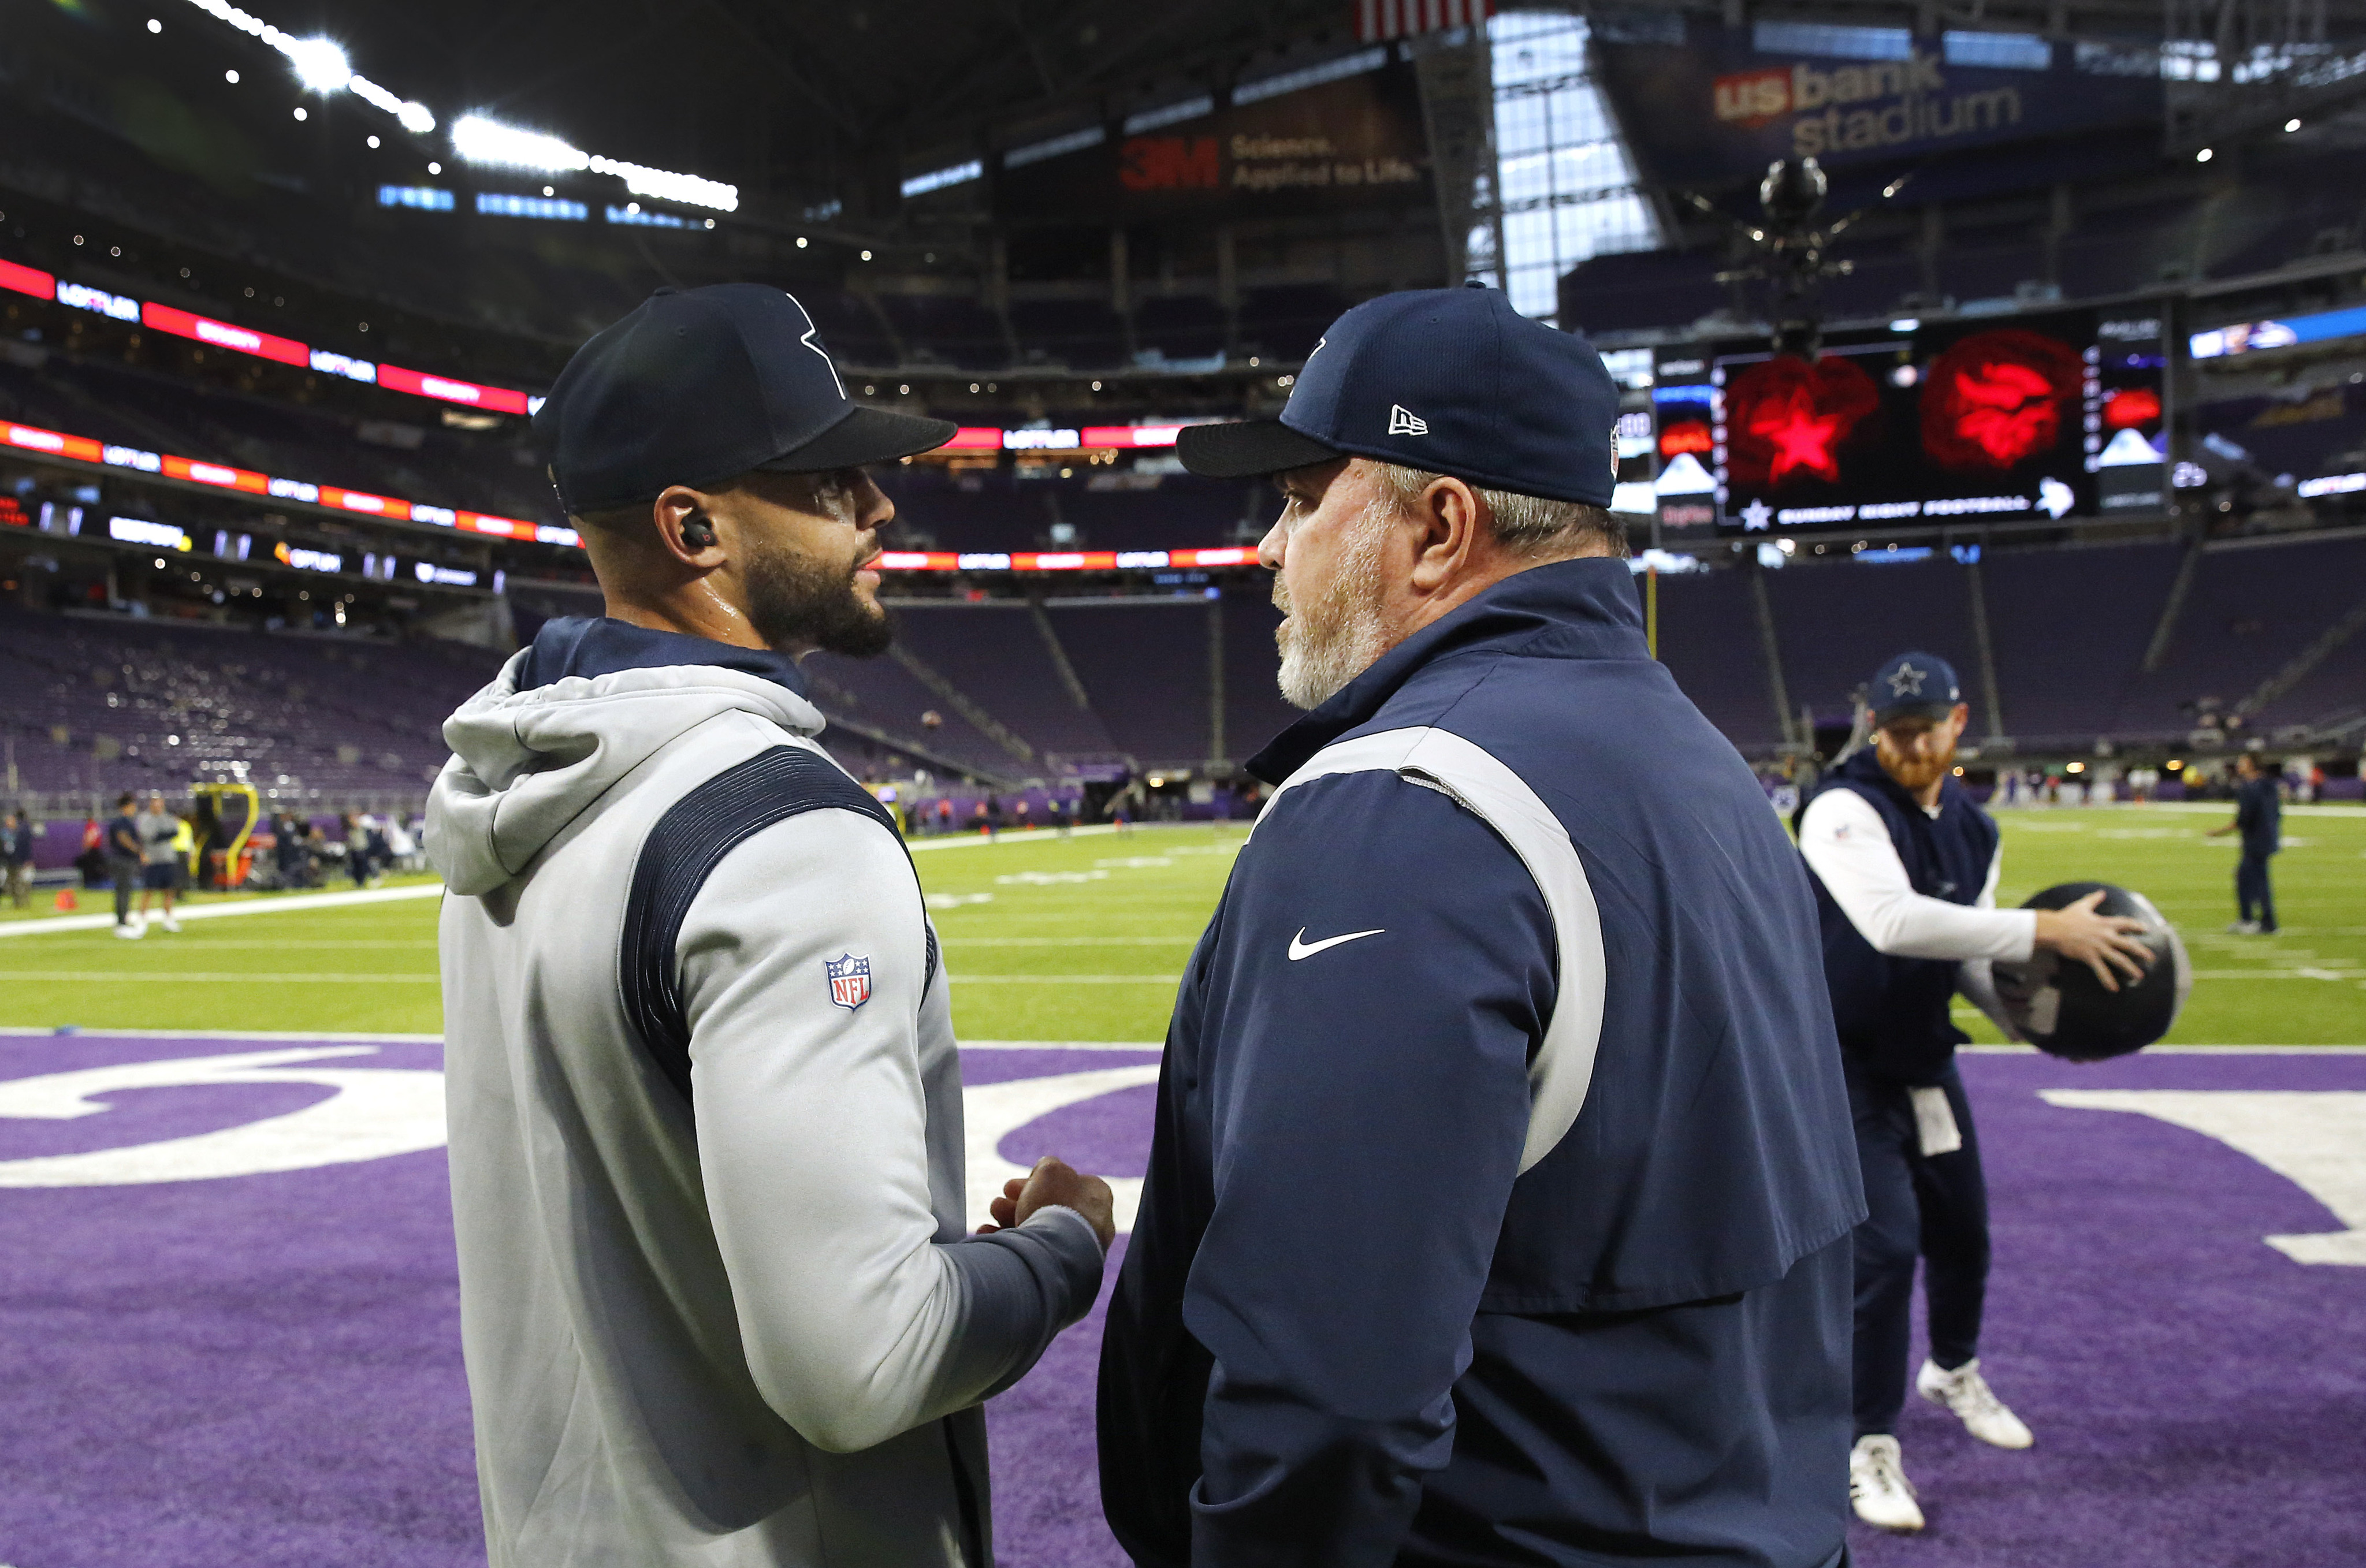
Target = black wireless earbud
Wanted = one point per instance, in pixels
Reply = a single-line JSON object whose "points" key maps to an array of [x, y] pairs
{"points": [[697, 533]]}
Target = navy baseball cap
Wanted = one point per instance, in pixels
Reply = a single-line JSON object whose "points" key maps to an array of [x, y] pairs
{"points": [[1913, 684], [1449, 381], [699, 385]]}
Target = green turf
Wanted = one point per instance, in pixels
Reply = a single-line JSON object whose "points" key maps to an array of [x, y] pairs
{"points": [[1082, 939]]}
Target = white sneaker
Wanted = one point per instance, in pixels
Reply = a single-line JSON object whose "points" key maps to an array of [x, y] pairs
{"points": [[1967, 1393], [2243, 927], [172, 925], [1878, 1489], [130, 931]]}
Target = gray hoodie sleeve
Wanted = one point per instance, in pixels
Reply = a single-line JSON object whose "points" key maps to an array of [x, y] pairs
{"points": [[861, 1312]]}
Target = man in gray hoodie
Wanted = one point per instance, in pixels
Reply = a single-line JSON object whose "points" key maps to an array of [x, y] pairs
{"points": [[717, 1300]]}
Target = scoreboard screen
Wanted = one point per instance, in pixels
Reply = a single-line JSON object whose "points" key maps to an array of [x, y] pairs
{"points": [[2047, 416]]}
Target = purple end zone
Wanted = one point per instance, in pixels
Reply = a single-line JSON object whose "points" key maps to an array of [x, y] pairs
{"points": [[264, 1369]]}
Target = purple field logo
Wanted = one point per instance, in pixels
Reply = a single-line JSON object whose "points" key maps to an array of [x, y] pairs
{"points": [[849, 980]]}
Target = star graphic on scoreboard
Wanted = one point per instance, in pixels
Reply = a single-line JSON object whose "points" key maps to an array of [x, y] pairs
{"points": [[1757, 514]]}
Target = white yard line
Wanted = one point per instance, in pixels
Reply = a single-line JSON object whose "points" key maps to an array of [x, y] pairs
{"points": [[1063, 1045], [1063, 979], [293, 903], [19, 1032], [209, 977], [2191, 1051], [306, 1036], [2200, 807]]}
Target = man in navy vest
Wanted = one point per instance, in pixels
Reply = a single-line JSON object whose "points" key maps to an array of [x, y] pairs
{"points": [[1499, 1197], [2259, 817], [1905, 865]]}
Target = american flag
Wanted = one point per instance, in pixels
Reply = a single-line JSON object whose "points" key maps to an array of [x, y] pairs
{"points": [[1377, 21]]}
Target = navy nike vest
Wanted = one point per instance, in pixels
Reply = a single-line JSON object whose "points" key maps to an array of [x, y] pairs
{"points": [[1892, 1012]]}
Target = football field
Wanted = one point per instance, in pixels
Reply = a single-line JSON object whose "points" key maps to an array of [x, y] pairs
{"points": [[231, 1301], [1084, 937]]}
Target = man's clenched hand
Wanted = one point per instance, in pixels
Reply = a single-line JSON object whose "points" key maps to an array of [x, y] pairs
{"points": [[1055, 1181]]}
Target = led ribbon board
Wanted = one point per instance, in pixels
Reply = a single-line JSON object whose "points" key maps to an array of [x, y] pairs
{"points": [[264, 345], [246, 482], [83, 449]]}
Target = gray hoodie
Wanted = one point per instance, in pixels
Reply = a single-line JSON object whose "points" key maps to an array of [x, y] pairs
{"points": [[716, 1302]]}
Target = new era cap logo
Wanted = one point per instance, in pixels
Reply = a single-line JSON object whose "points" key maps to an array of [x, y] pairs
{"points": [[1401, 423]]}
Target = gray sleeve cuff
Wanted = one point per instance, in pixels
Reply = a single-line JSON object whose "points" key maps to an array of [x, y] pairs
{"points": [[1019, 1288]]}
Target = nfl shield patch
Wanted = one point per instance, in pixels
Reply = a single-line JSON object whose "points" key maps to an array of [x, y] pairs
{"points": [[849, 980]]}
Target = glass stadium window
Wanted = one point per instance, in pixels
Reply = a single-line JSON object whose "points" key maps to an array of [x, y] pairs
{"points": [[1567, 183], [1831, 39], [2015, 51]]}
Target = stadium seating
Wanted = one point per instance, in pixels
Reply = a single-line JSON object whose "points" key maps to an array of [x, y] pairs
{"points": [[154, 704], [999, 656], [1254, 711], [1083, 335], [2250, 612], [1286, 320], [1146, 671], [1990, 263], [1879, 277], [1837, 623], [2079, 610], [1638, 291], [1182, 326], [948, 329], [1708, 642]]}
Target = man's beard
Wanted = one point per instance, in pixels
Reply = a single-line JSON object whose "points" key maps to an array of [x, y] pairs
{"points": [[1918, 771], [796, 601], [1329, 642]]}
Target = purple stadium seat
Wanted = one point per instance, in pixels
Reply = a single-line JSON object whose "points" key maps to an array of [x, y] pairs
{"points": [[1145, 666]]}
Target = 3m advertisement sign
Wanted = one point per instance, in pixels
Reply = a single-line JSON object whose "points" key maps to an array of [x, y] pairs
{"points": [[1351, 142], [1714, 108]]}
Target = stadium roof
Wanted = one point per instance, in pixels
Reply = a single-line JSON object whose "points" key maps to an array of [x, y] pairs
{"points": [[819, 99]]}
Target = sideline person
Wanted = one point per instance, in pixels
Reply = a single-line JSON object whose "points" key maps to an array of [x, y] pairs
{"points": [[1499, 1198], [1905, 865], [2259, 817], [716, 1302], [17, 837], [127, 849], [163, 867]]}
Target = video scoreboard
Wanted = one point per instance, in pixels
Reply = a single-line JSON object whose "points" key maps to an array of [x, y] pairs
{"points": [[2059, 416]]}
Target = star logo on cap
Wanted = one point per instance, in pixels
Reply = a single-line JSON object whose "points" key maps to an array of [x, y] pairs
{"points": [[1757, 514], [1907, 681], [813, 333], [1403, 421]]}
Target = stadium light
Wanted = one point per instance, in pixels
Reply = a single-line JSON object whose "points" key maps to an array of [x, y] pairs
{"points": [[665, 185], [321, 64], [481, 140]]}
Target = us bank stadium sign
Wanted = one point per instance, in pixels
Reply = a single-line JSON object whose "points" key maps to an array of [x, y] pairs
{"points": [[1873, 105], [1715, 109]]}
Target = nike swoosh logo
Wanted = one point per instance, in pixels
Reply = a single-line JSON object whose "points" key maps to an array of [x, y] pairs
{"points": [[1302, 948]]}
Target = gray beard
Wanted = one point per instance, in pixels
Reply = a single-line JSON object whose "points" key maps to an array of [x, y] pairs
{"points": [[1328, 643]]}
